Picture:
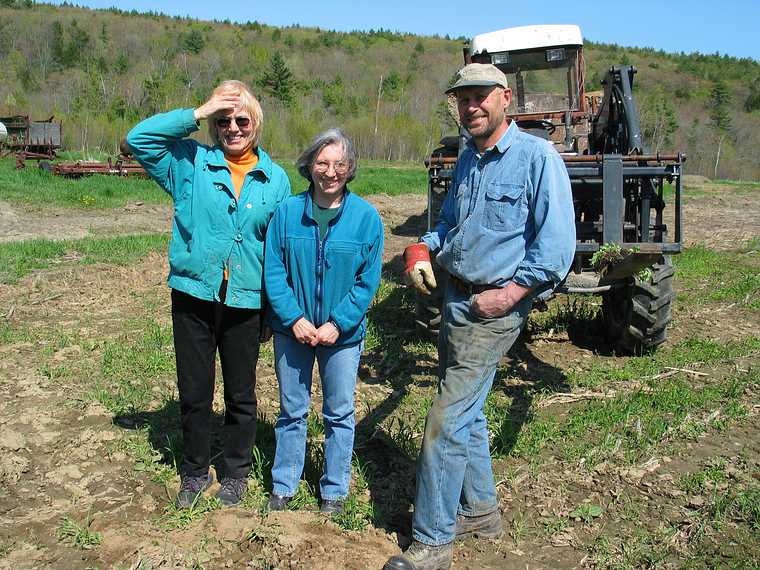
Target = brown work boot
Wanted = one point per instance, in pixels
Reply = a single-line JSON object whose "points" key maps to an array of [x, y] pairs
{"points": [[483, 526], [421, 556]]}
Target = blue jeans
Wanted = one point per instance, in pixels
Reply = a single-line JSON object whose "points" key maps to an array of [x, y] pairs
{"points": [[454, 473], [337, 369]]}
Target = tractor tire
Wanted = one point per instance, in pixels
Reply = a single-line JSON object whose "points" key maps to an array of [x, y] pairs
{"points": [[637, 315], [427, 308]]}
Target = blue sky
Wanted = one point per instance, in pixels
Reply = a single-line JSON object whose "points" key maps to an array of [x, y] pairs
{"points": [[729, 27]]}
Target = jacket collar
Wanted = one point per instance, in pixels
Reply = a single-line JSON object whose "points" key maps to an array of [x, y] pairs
{"points": [[215, 158]]}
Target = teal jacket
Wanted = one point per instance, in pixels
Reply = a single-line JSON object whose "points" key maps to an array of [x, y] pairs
{"points": [[334, 279], [211, 228]]}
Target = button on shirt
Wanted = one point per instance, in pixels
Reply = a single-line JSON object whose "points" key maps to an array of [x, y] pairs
{"points": [[508, 215]]}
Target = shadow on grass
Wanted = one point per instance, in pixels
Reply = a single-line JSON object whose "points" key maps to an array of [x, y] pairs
{"points": [[524, 376]]}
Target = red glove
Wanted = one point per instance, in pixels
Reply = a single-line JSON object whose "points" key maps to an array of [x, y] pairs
{"points": [[418, 272]]}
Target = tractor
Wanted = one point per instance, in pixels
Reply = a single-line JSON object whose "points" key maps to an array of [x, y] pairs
{"points": [[620, 189]]}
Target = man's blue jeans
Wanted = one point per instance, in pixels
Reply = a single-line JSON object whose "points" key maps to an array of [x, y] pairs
{"points": [[454, 473], [338, 366]]}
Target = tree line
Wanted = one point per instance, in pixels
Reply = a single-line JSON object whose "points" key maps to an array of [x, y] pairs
{"points": [[100, 71]]}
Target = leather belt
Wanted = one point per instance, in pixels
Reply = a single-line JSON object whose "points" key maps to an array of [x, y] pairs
{"points": [[467, 288]]}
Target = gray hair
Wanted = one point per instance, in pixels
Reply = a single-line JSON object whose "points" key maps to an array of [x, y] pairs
{"points": [[328, 137]]}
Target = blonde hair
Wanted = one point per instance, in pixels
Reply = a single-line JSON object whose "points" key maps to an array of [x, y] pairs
{"points": [[248, 102]]}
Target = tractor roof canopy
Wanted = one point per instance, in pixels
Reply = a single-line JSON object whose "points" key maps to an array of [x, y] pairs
{"points": [[526, 37], [544, 66]]}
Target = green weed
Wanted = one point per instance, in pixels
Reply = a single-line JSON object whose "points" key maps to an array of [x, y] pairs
{"points": [[74, 533], [732, 276], [149, 460], [631, 423], [554, 525], [576, 310], [358, 510], [53, 372], [175, 517], [607, 254], [11, 333], [587, 512], [642, 549], [304, 497], [404, 435], [315, 426], [357, 513], [518, 527], [132, 370]]}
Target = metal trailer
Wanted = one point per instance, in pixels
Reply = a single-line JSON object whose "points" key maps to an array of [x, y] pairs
{"points": [[32, 139]]}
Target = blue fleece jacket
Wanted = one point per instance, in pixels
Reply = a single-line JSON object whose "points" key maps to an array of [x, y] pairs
{"points": [[334, 279]]}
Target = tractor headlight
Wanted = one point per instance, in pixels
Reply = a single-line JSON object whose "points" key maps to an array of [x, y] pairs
{"points": [[556, 54], [500, 58]]}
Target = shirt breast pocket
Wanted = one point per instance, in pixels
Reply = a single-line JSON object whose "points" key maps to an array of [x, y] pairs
{"points": [[505, 206]]}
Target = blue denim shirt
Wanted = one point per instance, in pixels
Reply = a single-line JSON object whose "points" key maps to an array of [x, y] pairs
{"points": [[508, 215]]}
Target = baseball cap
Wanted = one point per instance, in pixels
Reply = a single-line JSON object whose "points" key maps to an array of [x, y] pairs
{"points": [[478, 75]]}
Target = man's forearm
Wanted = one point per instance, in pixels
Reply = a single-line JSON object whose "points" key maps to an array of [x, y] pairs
{"points": [[498, 302]]}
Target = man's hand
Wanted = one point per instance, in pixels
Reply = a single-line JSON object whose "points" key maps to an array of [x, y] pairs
{"points": [[498, 302], [327, 334], [419, 271], [305, 332]]}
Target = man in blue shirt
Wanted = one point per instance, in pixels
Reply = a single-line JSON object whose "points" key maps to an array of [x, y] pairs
{"points": [[506, 234]]}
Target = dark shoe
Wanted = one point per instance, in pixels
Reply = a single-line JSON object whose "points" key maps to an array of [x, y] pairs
{"points": [[484, 526], [191, 488], [421, 556], [232, 491], [331, 506], [278, 502]]}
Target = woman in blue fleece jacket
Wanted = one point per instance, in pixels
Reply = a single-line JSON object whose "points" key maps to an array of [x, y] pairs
{"points": [[322, 268], [224, 196]]}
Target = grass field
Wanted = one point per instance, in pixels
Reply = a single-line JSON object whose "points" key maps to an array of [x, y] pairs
{"points": [[36, 187], [602, 460]]}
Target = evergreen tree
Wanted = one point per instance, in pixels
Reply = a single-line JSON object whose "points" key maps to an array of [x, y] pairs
{"points": [[753, 99], [720, 98], [278, 80], [192, 41]]}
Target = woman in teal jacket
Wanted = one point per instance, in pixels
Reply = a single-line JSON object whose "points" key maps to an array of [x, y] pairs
{"points": [[323, 259], [224, 196]]}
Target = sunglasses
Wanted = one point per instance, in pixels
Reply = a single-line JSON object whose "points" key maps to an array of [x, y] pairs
{"points": [[225, 122]]}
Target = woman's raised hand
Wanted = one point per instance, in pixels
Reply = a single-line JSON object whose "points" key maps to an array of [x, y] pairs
{"points": [[219, 103]]}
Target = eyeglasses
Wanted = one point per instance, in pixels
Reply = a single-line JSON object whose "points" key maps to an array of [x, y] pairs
{"points": [[339, 167], [225, 122]]}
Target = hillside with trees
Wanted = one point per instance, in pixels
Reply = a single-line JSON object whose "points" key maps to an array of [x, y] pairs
{"points": [[100, 71]]}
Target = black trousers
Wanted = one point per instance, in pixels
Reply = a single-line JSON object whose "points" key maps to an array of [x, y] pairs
{"points": [[200, 328]]}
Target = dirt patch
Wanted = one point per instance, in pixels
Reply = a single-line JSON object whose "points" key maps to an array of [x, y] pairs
{"points": [[58, 458], [19, 223]]}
